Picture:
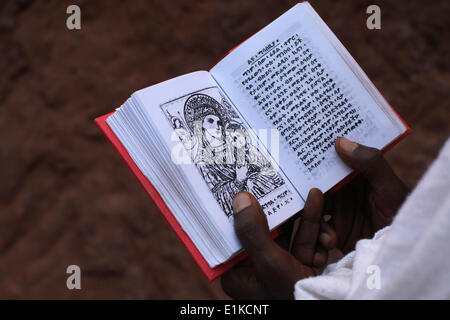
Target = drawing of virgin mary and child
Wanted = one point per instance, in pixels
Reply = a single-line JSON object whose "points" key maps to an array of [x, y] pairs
{"points": [[224, 152]]}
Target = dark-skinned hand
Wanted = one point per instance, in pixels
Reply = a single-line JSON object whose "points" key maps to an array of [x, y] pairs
{"points": [[271, 270], [370, 201], [362, 207]]}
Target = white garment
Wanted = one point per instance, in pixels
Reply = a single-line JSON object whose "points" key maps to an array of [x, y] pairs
{"points": [[413, 254]]}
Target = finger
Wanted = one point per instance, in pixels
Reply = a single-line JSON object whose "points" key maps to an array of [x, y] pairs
{"points": [[374, 167], [327, 237], [284, 240], [275, 270], [306, 238], [252, 230], [320, 257], [369, 161]]}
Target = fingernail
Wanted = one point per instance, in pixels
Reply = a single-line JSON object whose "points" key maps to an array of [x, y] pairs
{"points": [[324, 239], [346, 145], [241, 201]]}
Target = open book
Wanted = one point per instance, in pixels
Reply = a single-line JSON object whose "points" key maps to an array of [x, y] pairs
{"points": [[264, 119]]}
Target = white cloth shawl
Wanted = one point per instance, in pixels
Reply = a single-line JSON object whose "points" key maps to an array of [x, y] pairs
{"points": [[408, 260]]}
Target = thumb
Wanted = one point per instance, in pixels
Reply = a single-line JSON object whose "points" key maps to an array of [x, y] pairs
{"points": [[250, 224], [369, 161], [276, 270]]}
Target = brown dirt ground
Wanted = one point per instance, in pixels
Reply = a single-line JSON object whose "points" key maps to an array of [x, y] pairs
{"points": [[66, 197]]}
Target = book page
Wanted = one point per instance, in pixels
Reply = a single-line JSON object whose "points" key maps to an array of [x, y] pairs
{"points": [[217, 154], [290, 78]]}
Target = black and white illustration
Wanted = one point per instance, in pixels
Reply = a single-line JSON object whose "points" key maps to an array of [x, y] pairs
{"points": [[227, 156]]}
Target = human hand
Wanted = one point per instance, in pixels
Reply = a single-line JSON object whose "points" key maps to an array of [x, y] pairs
{"points": [[272, 269], [370, 201]]}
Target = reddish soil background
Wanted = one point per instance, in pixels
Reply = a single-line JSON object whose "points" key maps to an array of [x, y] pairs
{"points": [[66, 197]]}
